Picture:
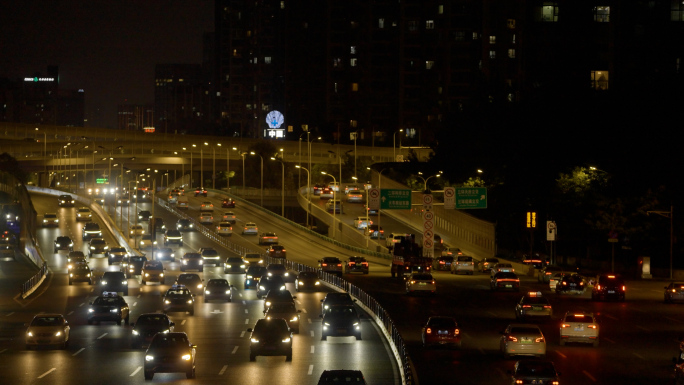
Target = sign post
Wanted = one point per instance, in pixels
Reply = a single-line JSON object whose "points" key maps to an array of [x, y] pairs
{"points": [[428, 234]]}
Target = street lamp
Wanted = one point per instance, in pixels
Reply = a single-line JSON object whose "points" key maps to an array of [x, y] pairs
{"points": [[228, 167], [262, 176], [307, 139], [308, 193], [282, 188], [243, 154], [191, 182], [334, 203], [213, 167], [394, 146], [425, 180]]}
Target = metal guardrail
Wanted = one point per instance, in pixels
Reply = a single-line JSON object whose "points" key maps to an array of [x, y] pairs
{"points": [[33, 283]]}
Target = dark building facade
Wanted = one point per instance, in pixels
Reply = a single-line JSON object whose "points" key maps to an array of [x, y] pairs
{"points": [[182, 99]]}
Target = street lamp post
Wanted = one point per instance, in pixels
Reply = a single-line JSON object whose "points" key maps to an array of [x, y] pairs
{"points": [[308, 193], [394, 146], [282, 187], [334, 203], [243, 154], [425, 180], [213, 167], [262, 176], [191, 183]]}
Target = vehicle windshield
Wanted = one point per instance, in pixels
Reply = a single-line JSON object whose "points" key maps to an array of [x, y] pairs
{"points": [[188, 278], [150, 320], [256, 270], [341, 311], [579, 318], [536, 301], [178, 292], [308, 274], [169, 341], [282, 308], [154, 265], [505, 276], [234, 260], [541, 369], [138, 259], [48, 321], [274, 327], [117, 250], [218, 283], [442, 323], [525, 330], [422, 277], [106, 301]]}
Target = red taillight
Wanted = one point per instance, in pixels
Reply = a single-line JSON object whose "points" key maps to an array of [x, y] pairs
{"points": [[565, 325], [624, 288], [547, 273], [598, 287], [433, 281], [442, 262], [592, 326], [547, 306], [339, 264], [526, 306], [540, 339], [283, 250], [325, 264], [457, 332], [428, 331], [511, 338], [564, 283], [365, 264]]}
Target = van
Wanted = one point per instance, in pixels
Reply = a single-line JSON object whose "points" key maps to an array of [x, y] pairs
{"points": [[182, 202]]}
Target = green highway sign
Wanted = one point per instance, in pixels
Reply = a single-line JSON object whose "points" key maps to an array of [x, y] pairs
{"points": [[102, 180], [471, 197], [395, 199]]}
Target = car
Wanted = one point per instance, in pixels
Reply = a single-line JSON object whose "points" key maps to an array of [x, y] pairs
{"points": [[159, 225], [534, 372], [351, 187], [547, 272], [206, 206], [356, 264], [340, 320], [451, 252], [278, 296], [210, 256], [463, 264], [134, 265], [250, 228], [268, 283], [48, 329], [135, 230], [173, 236], [192, 282], [201, 191], [362, 222], [555, 278], [109, 307], [441, 331], [234, 265], [144, 215], [277, 251], [579, 327], [50, 220], [8, 243], [123, 201], [184, 225], [114, 281], [570, 284], [152, 271], [170, 353], [84, 214], [147, 326], [147, 241], [522, 340], [80, 273], [205, 218], [674, 292], [91, 230], [182, 202], [270, 337], [307, 280], [224, 228], [421, 282], [609, 286], [178, 298], [533, 305], [172, 199], [505, 281], [229, 216], [228, 202], [65, 201], [254, 258], [268, 238], [336, 298], [335, 186], [317, 188], [116, 255], [330, 265], [341, 376], [97, 246], [192, 261], [218, 288], [163, 254], [276, 269], [253, 275], [375, 232], [443, 263], [76, 258], [487, 263], [62, 242], [355, 196], [334, 205], [326, 193], [501, 268], [286, 311]]}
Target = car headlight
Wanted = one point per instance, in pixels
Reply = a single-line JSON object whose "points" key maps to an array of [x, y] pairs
{"points": [[147, 274], [294, 319], [30, 334], [167, 301], [199, 286], [166, 331], [287, 274], [242, 266], [149, 358], [286, 339], [268, 303], [255, 340], [88, 275], [228, 266], [227, 291], [186, 357], [106, 247], [317, 283], [269, 274], [103, 282], [161, 275], [114, 310], [131, 269], [282, 287], [92, 247], [189, 301], [71, 244], [201, 262], [207, 292], [58, 334], [124, 282], [90, 310], [262, 288], [71, 274], [249, 277]]}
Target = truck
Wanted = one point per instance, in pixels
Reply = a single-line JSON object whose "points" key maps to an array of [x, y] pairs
{"points": [[407, 258]]}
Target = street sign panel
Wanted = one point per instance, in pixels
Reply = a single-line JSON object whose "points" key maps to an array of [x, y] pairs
{"points": [[427, 202], [471, 198], [449, 198], [374, 198], [391, 199], [428, 234]]}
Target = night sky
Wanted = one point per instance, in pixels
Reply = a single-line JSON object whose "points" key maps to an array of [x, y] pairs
{"points": [[107, 48]]}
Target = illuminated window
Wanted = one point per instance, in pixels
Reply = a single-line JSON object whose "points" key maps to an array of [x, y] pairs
{"points": [[267, 60], [602, 14], [429, 24], [475, 36], [439, 90], [513, 39], [510, 23], [548, 12], [492, 40], [492, 54], [337, 63], [352, 123], [429, 64], [459, 35], [282, 5], [599, 80], [355, 87], [440, 9], [511, 53], [381, 23], [412, 25], [335, 87], [352, 50], [676, 10], [352, 62]]}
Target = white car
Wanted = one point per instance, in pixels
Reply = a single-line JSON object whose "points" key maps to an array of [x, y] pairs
{"points": [[206, 218], [579, 327], [48, 329], [207, 206], [355, 196], [147, 242], [553, 281], [84, 214], [229, 216], [362, 222], [463, 263], [224, 228], [523, 340], [451, 252], [502, 268], [420, 282], [50, 219], [136, 230], [250, 228], [173, 199]]}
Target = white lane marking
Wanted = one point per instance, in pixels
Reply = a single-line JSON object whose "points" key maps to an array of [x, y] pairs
{"points": [[608, 339], [244, 302], [643, 328], [70, 313], [561, 354], [309, 320], [79, 350], [312, 333], [9, 314], [310, 372], [82, 303], [589, 375], [611, 317], [638, 355], [673, 319], [135, 303], [299, 302], [242, 334], [313, 348], [223, 370], [48, 372], [138, 296], [246, 311], [304, 311], [100, 337], [136, 371], [234, 350], [3, 350], [492, 313], [240, 294], [183, 322], [246, 321]]}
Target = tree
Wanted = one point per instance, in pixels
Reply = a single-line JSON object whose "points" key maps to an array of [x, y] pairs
{"points": [[10, 165]]}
